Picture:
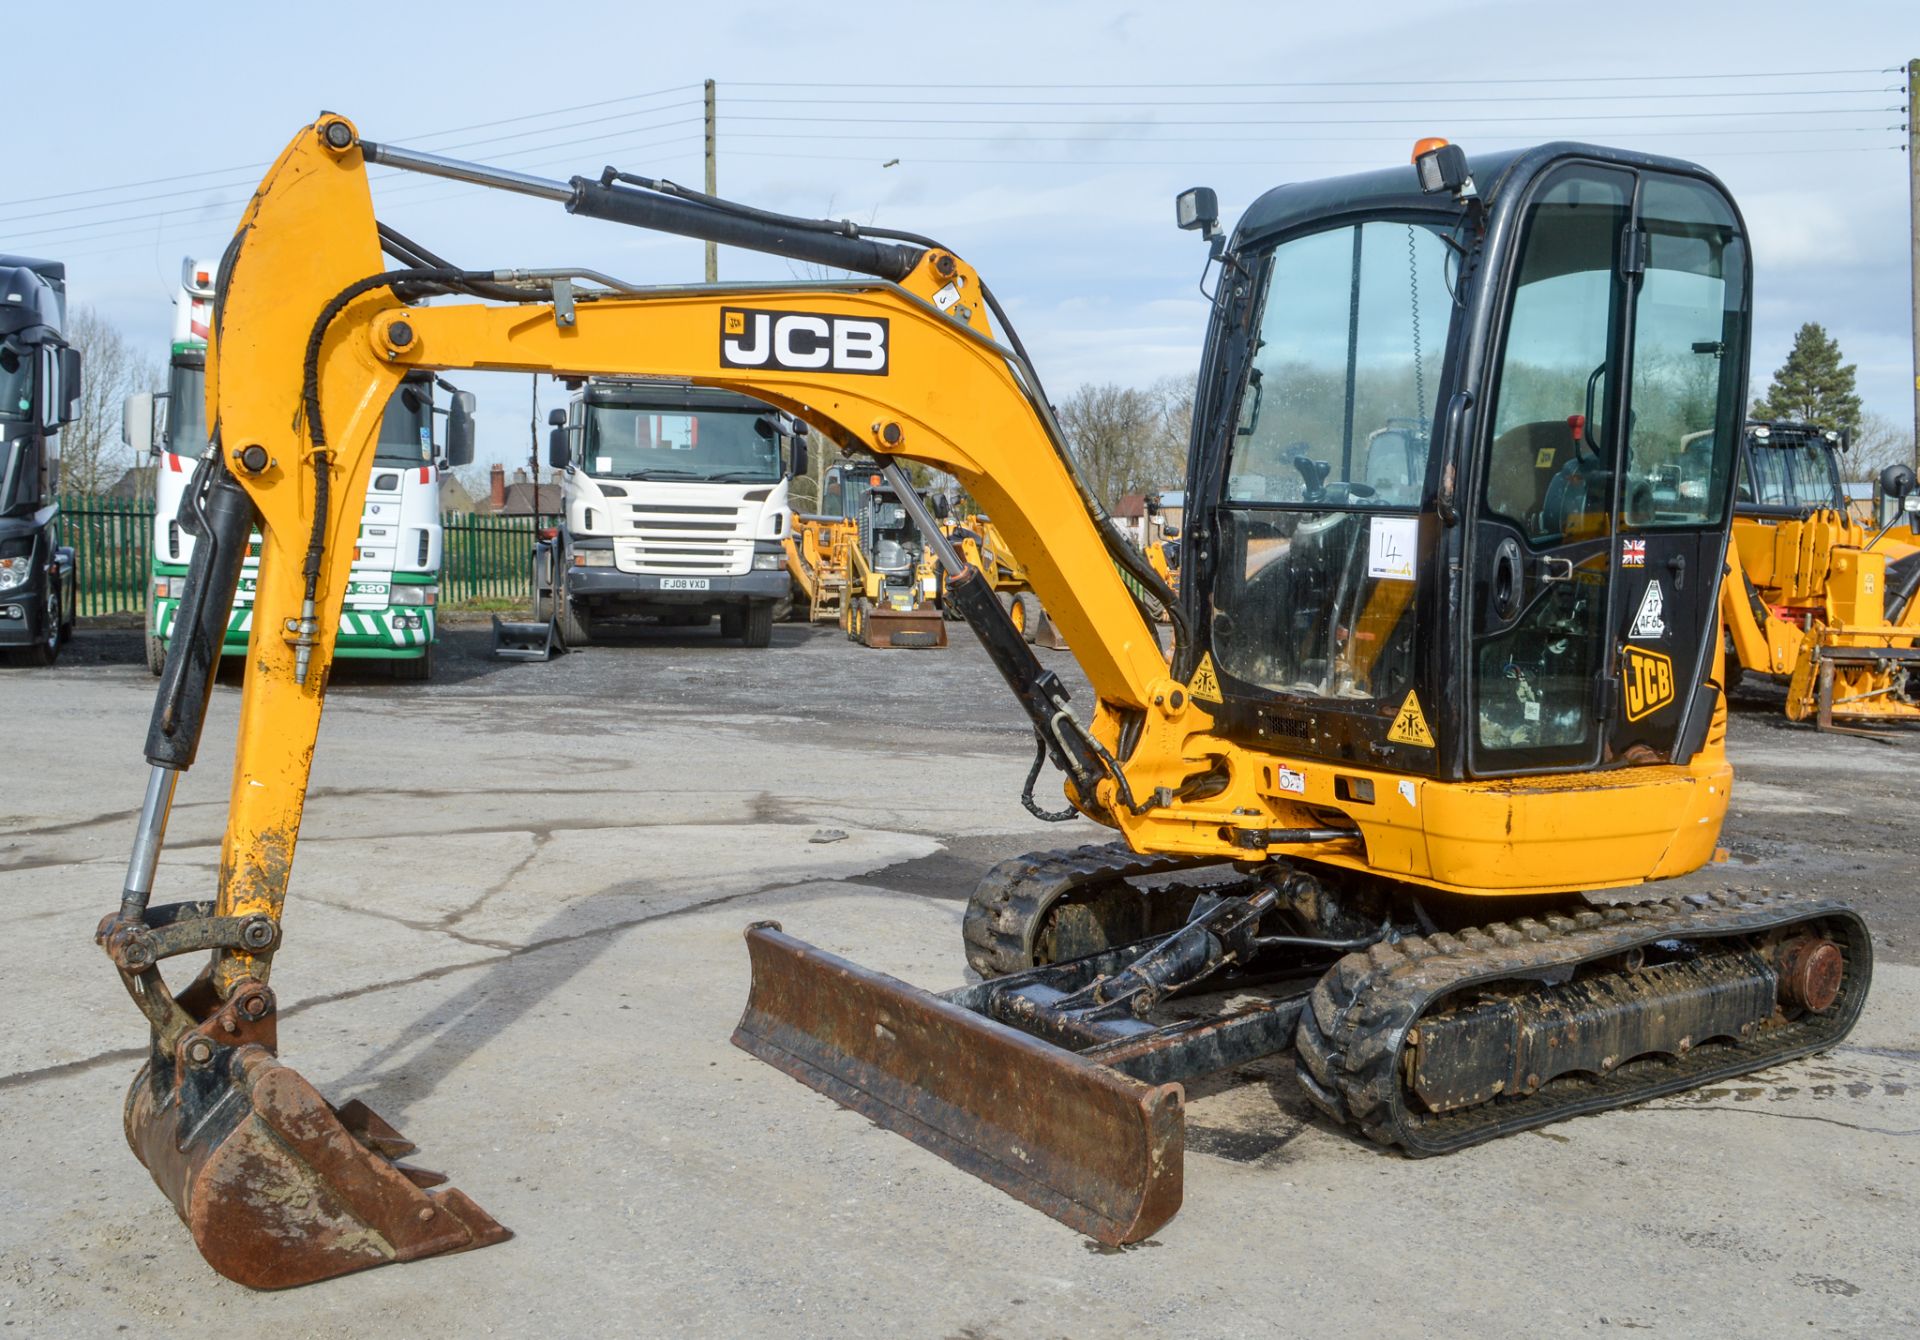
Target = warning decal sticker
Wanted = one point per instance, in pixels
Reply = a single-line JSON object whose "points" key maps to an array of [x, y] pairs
{"points": [[1410, 724], [1205, 685]]}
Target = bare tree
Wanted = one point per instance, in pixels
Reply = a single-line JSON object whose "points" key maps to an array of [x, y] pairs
{"points": [[1128, 440], [1877, 443], [92, 457]]}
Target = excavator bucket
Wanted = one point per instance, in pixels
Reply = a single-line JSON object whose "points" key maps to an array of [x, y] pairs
{"points": [[920, 628], [1093, 1147], [278, 1187], [519, 641]]}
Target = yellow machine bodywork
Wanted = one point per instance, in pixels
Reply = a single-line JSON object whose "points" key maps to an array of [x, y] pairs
{"points": [[980, 542], [819, 559], [952, 403], [1804, 601]]}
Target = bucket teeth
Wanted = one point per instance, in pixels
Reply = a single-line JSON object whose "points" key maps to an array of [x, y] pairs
{"points": [[278, 1187], [373, 1130]]}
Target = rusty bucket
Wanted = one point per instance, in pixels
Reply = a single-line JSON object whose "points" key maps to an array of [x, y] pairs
{"points": [[278, 1187], [1096, 1149]]}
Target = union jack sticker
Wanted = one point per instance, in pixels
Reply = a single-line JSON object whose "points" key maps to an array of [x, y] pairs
{"points": [[1633, 553]]}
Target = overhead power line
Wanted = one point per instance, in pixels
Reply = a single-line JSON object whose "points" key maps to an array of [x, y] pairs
{"points": [[1558, 99], [259, 167], [1528, 118], [1585, 79]]}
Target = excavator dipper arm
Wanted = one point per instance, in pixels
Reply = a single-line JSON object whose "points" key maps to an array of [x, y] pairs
{"points": [[312, 334]]}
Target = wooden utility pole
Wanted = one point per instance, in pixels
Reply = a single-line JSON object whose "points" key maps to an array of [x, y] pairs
{"points": [[713, 188], [1913, 234]]}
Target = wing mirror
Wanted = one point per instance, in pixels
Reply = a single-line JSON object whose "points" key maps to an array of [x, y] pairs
{"points": [[136, 423], [460, 429], [1897, 481], [69, 384]]}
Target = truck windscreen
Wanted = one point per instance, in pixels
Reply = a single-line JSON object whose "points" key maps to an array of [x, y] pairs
{"points": [[186, 409], [715, 446], [16, 383], [406, 431]]}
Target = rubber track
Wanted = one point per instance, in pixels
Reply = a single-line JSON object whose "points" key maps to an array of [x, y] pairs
{"points": [[1353, 1032], [1005, 911]]}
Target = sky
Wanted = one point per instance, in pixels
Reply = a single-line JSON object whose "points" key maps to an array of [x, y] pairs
{"points": [[1042, 141]]}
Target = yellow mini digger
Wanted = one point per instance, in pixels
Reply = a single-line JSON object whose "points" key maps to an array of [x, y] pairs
{"points": [[1418, 704]]}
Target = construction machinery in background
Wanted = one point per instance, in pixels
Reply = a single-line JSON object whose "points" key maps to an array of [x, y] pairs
{"points": [[674, 510], [39, 394], [875, 561], [980, 543], [1814, 597], [1402, 733], [820, 562], [392, 604]]}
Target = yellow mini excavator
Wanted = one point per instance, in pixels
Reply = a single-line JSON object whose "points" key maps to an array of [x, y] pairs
{"points": [[1416, 708]]}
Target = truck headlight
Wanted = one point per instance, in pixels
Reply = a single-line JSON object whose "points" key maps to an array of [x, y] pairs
{"points": [[14, 571], [593, 558], [769, 562]]}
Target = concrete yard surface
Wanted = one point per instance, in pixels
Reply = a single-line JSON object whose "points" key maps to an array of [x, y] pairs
{"points": [[515, 932]]}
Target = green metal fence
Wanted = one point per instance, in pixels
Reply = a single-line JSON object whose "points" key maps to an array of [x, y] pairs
{"points": [[484, 557], [113, 543], [487, 557]]}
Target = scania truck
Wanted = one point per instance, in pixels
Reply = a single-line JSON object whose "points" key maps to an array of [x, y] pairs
{"points": [[395, 586], [674, 501], [39, 392]]}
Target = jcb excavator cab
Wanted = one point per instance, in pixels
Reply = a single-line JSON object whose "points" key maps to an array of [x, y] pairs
{"points": [[1429, 436]]}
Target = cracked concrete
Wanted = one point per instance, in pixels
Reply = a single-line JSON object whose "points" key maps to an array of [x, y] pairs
{"points": [[515, 931]]}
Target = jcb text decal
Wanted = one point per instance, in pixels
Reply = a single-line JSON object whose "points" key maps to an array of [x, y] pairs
{"points": [[1649, 682], [803, 341]]}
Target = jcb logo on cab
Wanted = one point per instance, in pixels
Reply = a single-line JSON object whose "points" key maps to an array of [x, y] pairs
{"points": [[1649, 682], [803, 341]]}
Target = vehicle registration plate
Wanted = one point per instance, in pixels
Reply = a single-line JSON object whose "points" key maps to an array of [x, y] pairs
{"points": [[683, 583]]}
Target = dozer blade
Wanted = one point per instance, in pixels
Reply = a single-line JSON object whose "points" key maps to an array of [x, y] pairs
{"points": [[524, 641], [1099, 1151], [277, 1187]]}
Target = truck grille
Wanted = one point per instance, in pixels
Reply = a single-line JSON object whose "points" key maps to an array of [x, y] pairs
{"points": [[691, 538]]}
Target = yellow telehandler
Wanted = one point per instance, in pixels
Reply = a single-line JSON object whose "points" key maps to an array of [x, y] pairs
{"points": [[1414, 710]]}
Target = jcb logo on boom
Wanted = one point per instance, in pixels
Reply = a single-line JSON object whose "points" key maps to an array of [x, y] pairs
{"points": [[1649, 682], [803, 341]]}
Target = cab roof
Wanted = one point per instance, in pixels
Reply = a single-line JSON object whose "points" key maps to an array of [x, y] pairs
{"points": [[1294, 204]]}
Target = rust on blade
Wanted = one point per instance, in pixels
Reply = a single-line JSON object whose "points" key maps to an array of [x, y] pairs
{"points": [[1099, 1151], [277, 1187]]}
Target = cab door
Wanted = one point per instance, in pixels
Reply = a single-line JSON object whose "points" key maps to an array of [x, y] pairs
{"points": [[1600, 523], [1543, 535], [1682, 429]]}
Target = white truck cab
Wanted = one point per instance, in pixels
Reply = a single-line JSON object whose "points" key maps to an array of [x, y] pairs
{"points": [[675, 505]]}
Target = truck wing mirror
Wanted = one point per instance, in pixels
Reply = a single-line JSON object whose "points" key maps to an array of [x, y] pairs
{"points": [[941, 508], [557, 453], [798, 462], [460, 429], [69, 385], [556, 418], [136, 423]]}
